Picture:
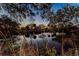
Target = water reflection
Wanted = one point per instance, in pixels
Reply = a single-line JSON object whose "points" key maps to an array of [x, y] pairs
{"points": [[39, 40]]}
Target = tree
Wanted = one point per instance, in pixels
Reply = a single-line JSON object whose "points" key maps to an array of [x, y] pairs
{"points": [[8, 26], [21, 11]]}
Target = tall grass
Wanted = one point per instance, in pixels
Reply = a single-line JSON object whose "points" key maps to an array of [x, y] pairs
{"points": [[26, 49]]}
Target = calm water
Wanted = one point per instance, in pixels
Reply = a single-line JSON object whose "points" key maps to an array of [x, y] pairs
{"points": [[39, 40]]}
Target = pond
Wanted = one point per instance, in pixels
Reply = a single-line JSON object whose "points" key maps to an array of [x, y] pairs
{"points": [[39, 40]]}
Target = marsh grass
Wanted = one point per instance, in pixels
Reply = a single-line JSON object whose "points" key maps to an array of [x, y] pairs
{"points": [[25, 49]]}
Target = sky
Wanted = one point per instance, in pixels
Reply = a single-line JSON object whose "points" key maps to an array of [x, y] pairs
{"points": [[55, 7], [38, 19]]}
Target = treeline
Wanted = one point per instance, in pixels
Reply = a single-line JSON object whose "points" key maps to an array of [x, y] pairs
{"points": [[9, 28]]}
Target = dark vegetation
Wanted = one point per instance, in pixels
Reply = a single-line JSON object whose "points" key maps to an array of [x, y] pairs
{"points": [[59, 22]]}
